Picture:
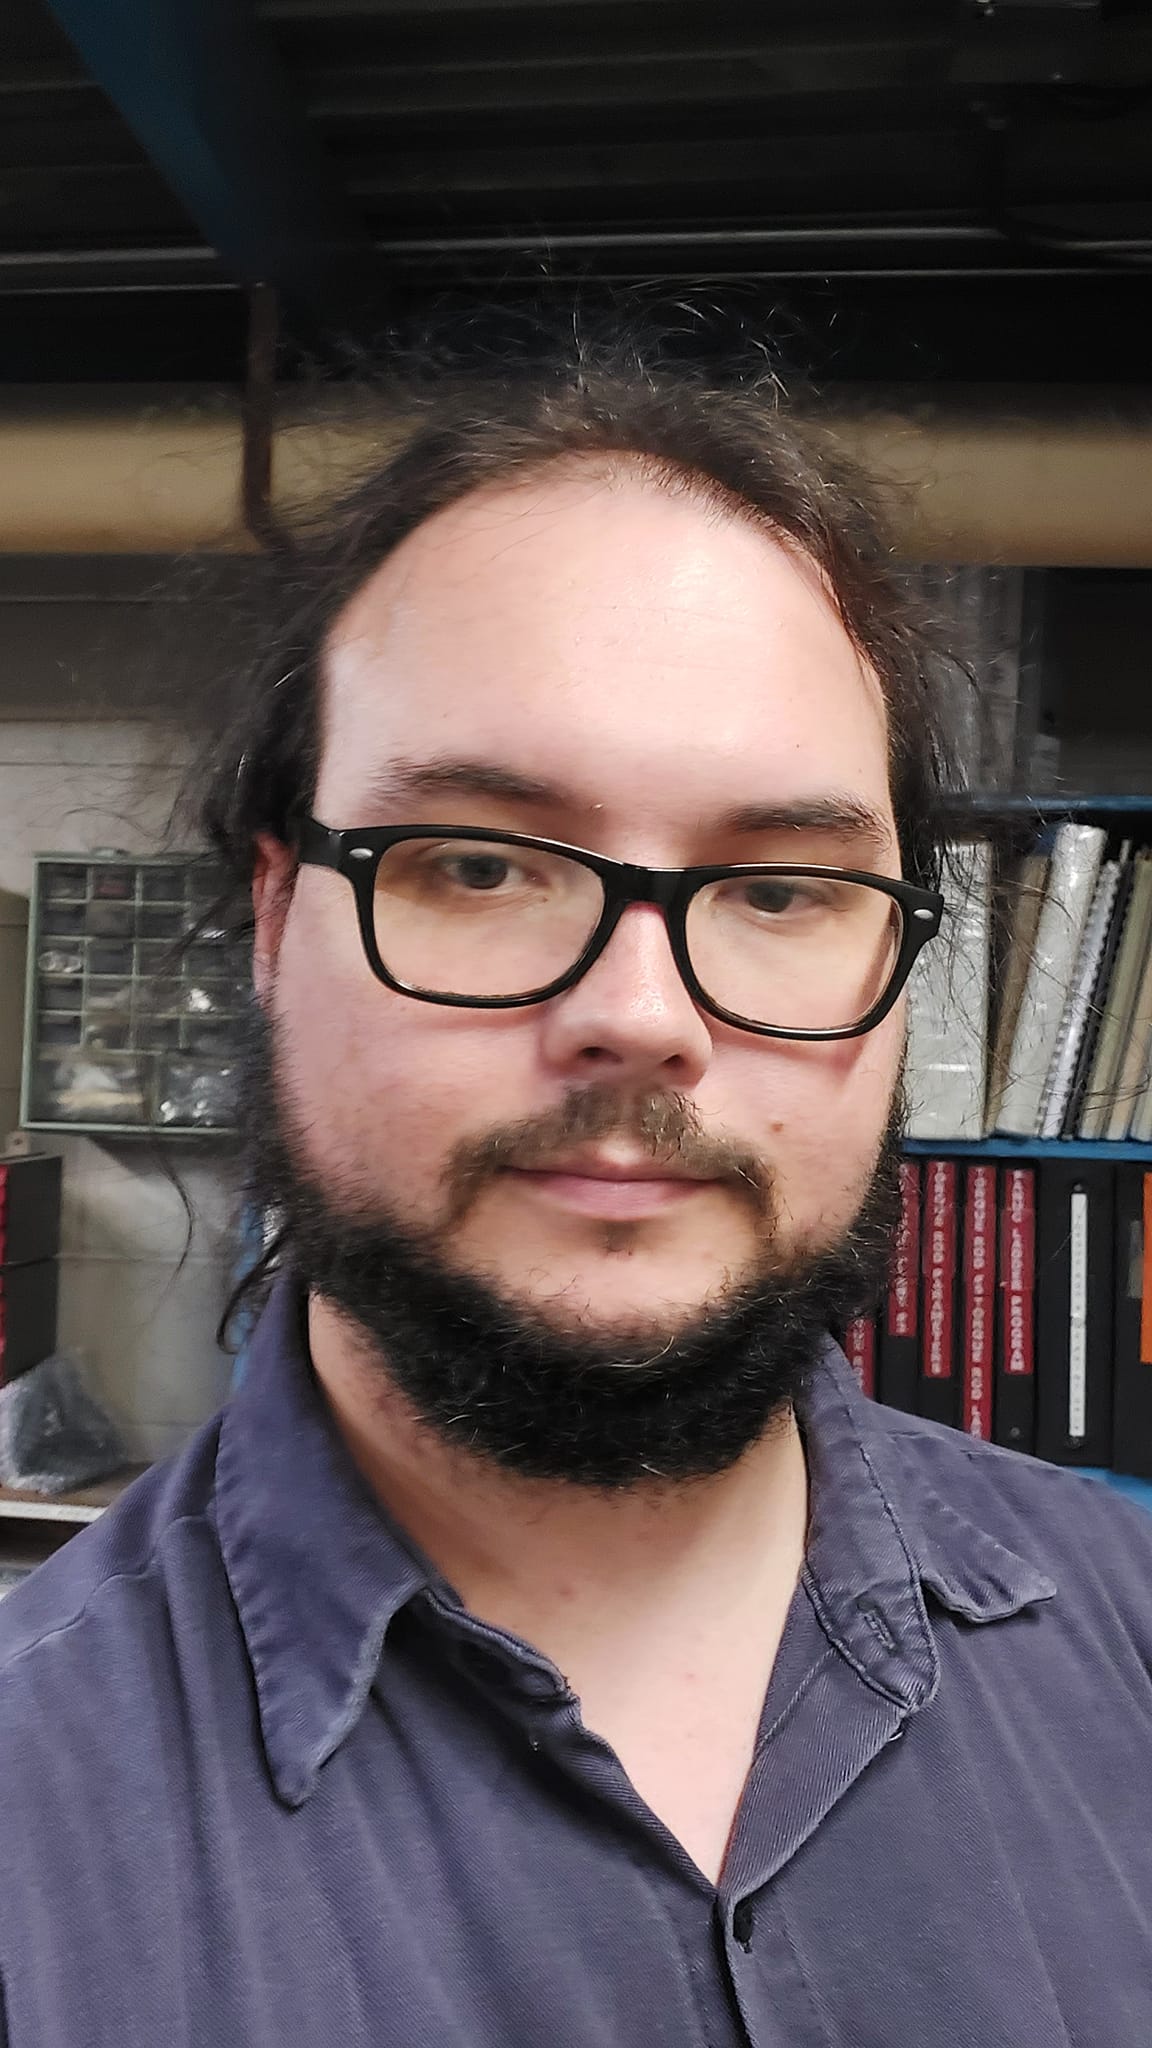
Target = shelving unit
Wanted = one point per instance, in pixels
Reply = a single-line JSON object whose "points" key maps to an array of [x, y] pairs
{"points": [[1139, 1490], [134, 998], [1029, 1148], [1015, 823]]}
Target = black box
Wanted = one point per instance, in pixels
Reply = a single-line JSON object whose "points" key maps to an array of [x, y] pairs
{"points": [[29, 1208], [28, 1297]]}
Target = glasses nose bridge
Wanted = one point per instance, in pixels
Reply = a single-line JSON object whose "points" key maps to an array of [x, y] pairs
{"points": [[630, 884]]}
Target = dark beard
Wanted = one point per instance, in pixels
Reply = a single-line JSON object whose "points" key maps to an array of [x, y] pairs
{"points": [[495, 1378]]}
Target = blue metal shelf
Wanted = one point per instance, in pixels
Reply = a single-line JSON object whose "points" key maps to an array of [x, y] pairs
{"points": [[1048, 805], [1139, 1490], [1030, 1148]]}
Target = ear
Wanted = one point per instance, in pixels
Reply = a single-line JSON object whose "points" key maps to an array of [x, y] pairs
{"points": [[273, 873]]}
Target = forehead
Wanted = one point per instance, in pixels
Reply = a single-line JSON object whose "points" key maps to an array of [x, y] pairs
{"points": [[653, 646]]}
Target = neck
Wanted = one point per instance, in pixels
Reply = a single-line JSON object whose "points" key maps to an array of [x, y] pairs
{"points": [[544, 1559]]}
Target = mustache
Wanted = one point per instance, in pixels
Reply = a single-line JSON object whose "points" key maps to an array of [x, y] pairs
{"points": [[664, 1125]]}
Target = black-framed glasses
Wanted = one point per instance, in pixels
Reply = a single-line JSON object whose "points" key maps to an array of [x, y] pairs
{"points": [[497, 920]]}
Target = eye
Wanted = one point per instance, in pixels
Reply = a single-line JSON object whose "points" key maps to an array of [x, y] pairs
{"points": [[775, 895], [479, 871]]}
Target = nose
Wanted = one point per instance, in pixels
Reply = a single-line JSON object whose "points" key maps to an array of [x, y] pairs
{"points": [[630, 1019]]}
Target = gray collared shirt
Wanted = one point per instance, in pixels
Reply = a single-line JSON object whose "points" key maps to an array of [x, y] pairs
{"points": [[264, 1781]]}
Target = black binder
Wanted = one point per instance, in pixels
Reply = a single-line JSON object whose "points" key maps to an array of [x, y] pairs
{"points": [[1132, 1403], [1014, 1410], [1074, 1304], [938, 1391], [898, 1369]]}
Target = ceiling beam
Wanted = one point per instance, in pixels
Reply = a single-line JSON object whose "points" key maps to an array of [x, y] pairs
{"points": [[202, 91]]}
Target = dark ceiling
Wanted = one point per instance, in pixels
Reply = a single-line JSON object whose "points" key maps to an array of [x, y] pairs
{"points": [[911, 189]]}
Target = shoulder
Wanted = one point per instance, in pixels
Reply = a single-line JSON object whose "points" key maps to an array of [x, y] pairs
{"points": [[116, 1577], [1080, 1531]]}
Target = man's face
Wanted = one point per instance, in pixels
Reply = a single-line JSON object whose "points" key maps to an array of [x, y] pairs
{"points": [[589, 659]]}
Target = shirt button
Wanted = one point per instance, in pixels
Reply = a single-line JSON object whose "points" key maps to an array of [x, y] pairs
{"points": [[743, 1921]]}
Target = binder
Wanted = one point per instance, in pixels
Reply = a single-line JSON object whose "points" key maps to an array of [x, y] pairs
{"points": [[1077, 855], [898, 1365], [978, 1297], [1014, 1406], [938, 1387], [1074, 1312], [1079, 1099], [860, 1351], [1132, 1406]]}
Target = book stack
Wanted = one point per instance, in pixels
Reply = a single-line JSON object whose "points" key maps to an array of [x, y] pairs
{"points": [[29, 1247], [1019, 1307], [1033, 1018]]}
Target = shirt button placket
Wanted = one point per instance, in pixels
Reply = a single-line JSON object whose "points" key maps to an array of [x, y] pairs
{"points": [[743, 1922]]}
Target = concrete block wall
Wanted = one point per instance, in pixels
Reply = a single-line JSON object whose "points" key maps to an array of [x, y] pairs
{"points": [[140, 1298]]}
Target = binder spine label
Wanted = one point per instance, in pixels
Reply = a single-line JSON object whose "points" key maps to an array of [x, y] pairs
{"points": [[903, 1290], [939, 1273], [979, 1258], [1017, 1270], [1078, 1316], [860, 1350], [1146, 1276]]}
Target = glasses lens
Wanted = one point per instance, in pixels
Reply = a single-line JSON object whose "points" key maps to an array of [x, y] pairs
{"points": [[480, 918], [801, 952]]}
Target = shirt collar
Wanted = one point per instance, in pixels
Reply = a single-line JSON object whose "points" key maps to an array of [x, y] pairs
{"points": [[880, 1532], [318, 1571]]}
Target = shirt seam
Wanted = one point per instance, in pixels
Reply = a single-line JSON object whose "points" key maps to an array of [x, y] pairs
{"points": [[116, 1578]]}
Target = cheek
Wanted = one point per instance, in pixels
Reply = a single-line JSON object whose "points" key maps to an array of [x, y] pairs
{"points": [[382, 1087], [823, 1113]]}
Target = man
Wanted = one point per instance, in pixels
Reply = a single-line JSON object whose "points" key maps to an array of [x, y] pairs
{"points": [[549, 1644]]}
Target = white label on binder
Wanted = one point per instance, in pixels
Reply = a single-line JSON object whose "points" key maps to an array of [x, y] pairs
{"points": [[1078, 1317]]}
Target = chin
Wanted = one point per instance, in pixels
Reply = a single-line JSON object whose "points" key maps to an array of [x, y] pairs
{"points": [[615, 1295]]}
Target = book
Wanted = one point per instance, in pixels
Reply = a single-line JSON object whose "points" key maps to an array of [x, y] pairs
{"points": [[1014, 1406], [1018, 900], [1132, 1343], [938, 1387], [1077, 855], [898, 1364], [1074, 1311], [1140, 1127], [946, 1070], [1086, 1056], [978, 1301], [1073, 1023], [1119, 1001], [1135, 1055]]}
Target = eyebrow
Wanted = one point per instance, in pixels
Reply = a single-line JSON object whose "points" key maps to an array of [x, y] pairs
{"points": [[836, 813]]}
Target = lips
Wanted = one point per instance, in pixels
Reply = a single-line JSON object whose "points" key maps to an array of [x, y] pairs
{"points": [[612, 1189], [605, 1167]]}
